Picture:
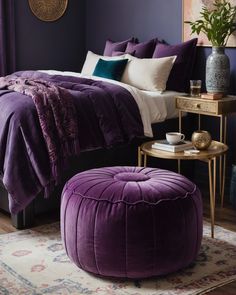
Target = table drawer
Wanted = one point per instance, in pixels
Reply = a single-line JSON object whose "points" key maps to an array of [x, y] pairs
{"points": [[196, 106]]}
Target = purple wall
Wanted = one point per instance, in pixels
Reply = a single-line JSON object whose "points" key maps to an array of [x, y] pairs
{"points": [[50, 45], [121, 19]]}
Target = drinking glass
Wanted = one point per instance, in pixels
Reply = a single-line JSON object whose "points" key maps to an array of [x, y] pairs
{"points": [[195, 88]]}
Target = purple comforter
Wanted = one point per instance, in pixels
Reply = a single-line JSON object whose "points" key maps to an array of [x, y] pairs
{"points": [[107, 116], [57, 117]]}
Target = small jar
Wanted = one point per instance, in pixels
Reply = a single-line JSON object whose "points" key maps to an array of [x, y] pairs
{"points": [[201, 139]]}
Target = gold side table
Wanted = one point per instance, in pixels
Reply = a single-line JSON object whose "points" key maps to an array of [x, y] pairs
{"points": [[210, 155], [217, 108]]}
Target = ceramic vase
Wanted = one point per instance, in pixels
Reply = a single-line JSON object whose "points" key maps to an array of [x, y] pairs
{"points": [[217, 71]]}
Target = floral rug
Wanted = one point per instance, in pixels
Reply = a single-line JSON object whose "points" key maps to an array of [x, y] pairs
{"points": [[34, 262]]}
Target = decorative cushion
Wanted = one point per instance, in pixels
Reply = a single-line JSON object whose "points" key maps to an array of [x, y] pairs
{"points": [[148, 73], [142, 50], [119, 53], [92, 60], [131, 222], [110, 69], [182, 69], [116, 46]]}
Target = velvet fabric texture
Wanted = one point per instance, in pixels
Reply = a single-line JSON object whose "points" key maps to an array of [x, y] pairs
{"points": [[119, 53], [107, 116], [7, 37], [110, 69], [111, 46], [181, 72], [142, 50], [57, 117], [131, 222], [92, 60]]}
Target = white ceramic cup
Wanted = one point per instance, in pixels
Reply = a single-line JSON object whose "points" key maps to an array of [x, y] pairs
{"points": [[174, 137]]}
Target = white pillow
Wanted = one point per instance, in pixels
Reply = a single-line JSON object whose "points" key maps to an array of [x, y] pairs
{"points": [[91, 62], [148, 73]]}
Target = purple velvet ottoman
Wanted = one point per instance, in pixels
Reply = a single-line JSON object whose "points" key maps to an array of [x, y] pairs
{"points": [[131, 222]]}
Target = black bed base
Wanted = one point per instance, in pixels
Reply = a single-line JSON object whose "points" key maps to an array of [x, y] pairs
{"points": [[122, 155], [24, 219]]}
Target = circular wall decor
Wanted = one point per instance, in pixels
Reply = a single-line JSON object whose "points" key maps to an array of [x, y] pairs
{"points": [[48, 10]]}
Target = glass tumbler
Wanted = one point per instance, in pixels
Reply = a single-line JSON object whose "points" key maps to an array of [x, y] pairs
{"points": [[195, 88]]}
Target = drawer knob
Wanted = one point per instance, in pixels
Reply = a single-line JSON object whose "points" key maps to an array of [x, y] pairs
{"points": [[197, 105]]}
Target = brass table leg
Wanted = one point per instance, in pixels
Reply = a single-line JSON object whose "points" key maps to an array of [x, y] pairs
{"points": [[212, 196], [225, 129], [222, 188], [142, 156], [145, 160], [222, 192], [214, 177], [199, 121], [139, 157], [179, 166], [180, 130], [220, 159], [180, 121], [220, 174]]}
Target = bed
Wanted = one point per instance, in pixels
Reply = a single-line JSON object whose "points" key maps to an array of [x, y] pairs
{"points": [[109, 119], [24, 170]]}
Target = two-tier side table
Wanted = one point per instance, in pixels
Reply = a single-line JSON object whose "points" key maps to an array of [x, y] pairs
{"points": [[210, 155], [217, 108]]}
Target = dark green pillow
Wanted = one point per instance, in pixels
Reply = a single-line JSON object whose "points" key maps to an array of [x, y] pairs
{"points": [[110, 69]]}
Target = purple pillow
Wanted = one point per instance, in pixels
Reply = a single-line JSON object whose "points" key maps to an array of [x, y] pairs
{"points": [[142, 50], [118, 53], [116, 46], [183, 66]]}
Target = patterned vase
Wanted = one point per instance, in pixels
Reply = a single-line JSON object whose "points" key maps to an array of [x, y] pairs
{"points": [[217, 71]]}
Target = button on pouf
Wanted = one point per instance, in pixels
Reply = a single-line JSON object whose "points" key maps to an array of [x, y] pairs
{"points": [[131, 222]]}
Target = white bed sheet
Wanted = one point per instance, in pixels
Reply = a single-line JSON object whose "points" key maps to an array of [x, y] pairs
{"points": [[154, 107]]}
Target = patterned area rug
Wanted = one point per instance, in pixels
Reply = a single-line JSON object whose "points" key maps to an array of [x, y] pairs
{"points": [[34, 262]]}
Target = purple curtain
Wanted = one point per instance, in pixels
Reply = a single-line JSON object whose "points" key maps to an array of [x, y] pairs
{"points": [[7, 37]]}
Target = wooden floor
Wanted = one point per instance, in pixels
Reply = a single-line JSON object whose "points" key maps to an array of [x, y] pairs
{"points": [[225, 217]]}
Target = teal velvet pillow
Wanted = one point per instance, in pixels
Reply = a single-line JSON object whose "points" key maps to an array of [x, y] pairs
{"points": [[110, 69]]}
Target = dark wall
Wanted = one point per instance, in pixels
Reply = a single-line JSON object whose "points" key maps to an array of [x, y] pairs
{"points": [[139, 18], [50, 45]]}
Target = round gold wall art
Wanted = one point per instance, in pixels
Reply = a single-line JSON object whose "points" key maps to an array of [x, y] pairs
{"points": [[48, 10]]}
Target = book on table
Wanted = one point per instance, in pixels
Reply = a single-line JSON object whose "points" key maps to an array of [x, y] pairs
{"points": [[212, 96], [166, 146]]}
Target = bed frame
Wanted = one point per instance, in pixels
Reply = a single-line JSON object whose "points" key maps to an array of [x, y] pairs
{"points": [[122, 155]]}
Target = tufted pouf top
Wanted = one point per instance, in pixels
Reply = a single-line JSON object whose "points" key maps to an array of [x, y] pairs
{"points": [[131, 222], [115, 183]]}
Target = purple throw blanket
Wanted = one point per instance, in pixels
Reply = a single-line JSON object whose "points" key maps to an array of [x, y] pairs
{"points": [[57, 117], [107, 116]]}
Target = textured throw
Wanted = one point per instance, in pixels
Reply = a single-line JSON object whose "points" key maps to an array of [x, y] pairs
{"points": [[107, 116], [57, 117], [47, 269]]}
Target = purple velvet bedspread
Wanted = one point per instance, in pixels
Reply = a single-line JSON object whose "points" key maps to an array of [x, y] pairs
{"points": [[107, 116], [57, 117]]}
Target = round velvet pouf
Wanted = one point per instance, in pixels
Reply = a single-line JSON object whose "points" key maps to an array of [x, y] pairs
{"points": [[131, 222]]}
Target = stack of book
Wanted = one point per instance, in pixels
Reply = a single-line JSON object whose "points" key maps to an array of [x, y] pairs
{"points": [[166, 146]]}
